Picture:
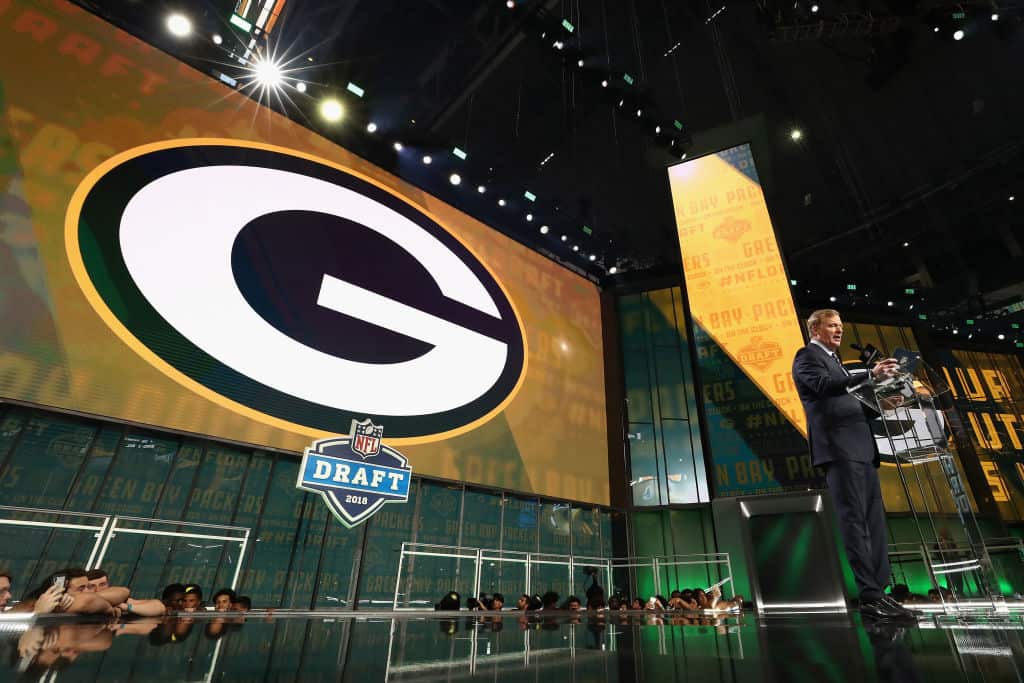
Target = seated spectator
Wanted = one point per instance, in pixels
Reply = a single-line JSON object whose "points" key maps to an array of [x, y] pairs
{"points": [[614, 603], [449, 602], [535, 603], [224, 599], [572, 603], [5, 590], [242, 604], [523, 602], [549, 601], [172, 596], [655, 603], [98, 580], [497, 602], [192, 601], [637, 603], [596, 603]]}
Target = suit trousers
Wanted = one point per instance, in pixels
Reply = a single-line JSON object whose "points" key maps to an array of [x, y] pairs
{"points": [[857, 496]]}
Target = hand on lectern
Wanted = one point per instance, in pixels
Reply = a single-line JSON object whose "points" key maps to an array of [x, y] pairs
{"points": [[885, 369]]}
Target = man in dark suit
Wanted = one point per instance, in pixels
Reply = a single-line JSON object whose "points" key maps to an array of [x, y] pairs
{"points": [[843, 445]]}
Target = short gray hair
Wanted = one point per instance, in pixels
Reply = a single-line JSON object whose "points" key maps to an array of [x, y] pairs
{"points": [[814, 321]]}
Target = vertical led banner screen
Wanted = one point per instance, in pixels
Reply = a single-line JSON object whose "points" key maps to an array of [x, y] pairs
{"points": [[745, 325]]}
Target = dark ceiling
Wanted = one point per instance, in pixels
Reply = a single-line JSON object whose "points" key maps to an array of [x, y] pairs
{"points": [[909, 136]]}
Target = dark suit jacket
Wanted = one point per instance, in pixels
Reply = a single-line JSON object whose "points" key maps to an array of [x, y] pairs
{"points": [[837, 423]]}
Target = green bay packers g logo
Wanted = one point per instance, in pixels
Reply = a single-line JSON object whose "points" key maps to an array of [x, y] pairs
{"points": [[294, 290]]}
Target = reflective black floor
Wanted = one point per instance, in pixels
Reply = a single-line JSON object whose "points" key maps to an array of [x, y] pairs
{"points": [[554, 649]]}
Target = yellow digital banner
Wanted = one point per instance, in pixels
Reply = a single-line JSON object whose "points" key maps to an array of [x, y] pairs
{"points": [[736, 284]]}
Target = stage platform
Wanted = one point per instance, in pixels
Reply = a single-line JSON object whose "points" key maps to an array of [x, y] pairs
{"points": [[554, 648]]}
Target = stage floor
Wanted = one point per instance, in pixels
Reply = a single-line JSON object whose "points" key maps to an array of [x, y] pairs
{"points": [[554, 649]]}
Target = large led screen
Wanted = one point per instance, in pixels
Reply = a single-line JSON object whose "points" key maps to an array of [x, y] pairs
{"points": [[745, 326], [172, 254]]}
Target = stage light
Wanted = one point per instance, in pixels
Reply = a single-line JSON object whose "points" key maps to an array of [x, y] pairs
{"points": [[935, 29], [682, 157], [331, 110], [1011, 197], [604, 83], [579, 63], [558, 45], [622, 102], [575, 247], [398, 146], [639, 113], [481, 189], [501, 202], [593, 257], [544, 229], [906, 244], [888, 303], [795, 134], [657, 129], [179, 25], [511, 4], [454, 179], [217, 40], [956, 331], [1000, 337], [300, 86], [529, 217], [371, 127], [564, 238], [958, 34], [427, 159], [970, 336], [267, 73], [995, 16], [814, 8], [613, 270], [832, 299]]}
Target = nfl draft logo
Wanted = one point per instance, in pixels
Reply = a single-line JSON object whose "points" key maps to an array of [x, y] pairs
{"points": [[355, 474]]}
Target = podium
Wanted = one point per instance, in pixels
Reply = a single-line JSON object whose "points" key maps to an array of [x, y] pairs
{"points": [[913, 433]]}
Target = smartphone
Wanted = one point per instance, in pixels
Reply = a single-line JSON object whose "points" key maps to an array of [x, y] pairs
{"points": [[60, 581], [719, 584]]}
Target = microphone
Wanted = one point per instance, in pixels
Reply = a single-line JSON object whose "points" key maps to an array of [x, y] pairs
{"points": [[868, 353]]}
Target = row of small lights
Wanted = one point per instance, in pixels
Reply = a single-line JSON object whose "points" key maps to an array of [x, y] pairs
{"points": [[270, 75], [952, 327]]}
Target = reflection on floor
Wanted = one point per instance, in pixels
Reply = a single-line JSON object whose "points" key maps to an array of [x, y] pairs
{"points": [[558, 648]]}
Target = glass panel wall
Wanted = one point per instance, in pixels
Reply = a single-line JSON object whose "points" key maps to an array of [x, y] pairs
{"points": [[297, 555]]}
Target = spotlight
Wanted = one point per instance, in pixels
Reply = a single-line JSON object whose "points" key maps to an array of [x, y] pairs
{"points": [[454, 179], [613, 270], [217, 40], [398, 146], [935, 29], [622, 102], [604, 83], [501, 202], [956, 331], [814, 8], [682, 157], [579, 63], [1011, 198], [300, 86], [529, 217], [371, 127], [958, 34], [795, 134], [832, 299], [268, 74], [1001, 337], [995, 16], [331, 110], [544, 229], [657, 129], [639, 113], [179, 25], [427, 160], [564, 238], [575, 247], [970, 336], [558, 45], [906, 244], [511, 4], [593, 257], [481, 189], [888, 303]]}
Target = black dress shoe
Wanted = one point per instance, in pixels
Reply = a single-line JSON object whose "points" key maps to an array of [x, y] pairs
{"points": [[877, 609], [892, 602]]}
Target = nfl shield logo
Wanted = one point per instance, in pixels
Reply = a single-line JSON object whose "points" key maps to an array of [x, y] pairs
{"points": [[366, 437], [355, 474]]}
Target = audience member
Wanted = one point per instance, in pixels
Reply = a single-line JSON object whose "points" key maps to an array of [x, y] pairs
{"points": [[637, 603], [97, 579], [64, 591], [497, 602], [99, 582], [614, 603], [243, 604], [5, 590], [549, 601], [572, 603], [224, 600], [192, 600], [523, 602], [172, 596]]}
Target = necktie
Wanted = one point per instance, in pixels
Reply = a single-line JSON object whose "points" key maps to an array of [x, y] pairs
{"points": [[839, 363]]}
